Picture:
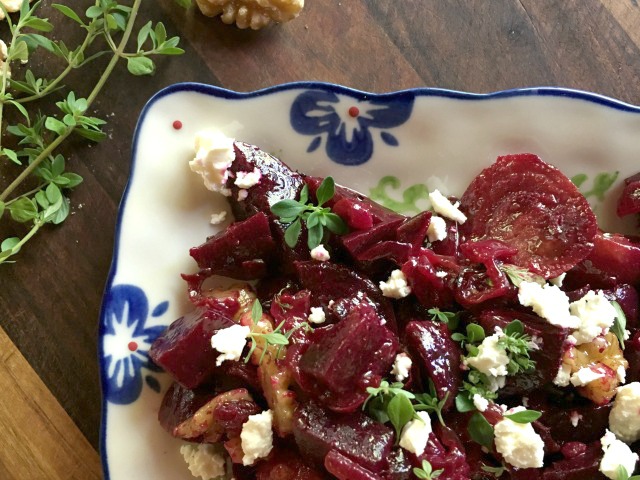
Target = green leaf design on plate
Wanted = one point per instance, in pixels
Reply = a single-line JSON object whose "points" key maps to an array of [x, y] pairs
{"points": [[600, 184], [410, 196]]}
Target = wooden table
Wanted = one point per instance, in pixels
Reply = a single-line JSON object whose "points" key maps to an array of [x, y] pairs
{"points": [[50, 298]]}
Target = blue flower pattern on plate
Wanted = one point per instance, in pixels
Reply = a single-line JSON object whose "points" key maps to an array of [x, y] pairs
{"points": [[126, 343], [348, 123]]}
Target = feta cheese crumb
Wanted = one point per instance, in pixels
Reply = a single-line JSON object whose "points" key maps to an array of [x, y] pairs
{"points": [[549, 302], [492, 360], [437, 229], [248, 179], [585, 376], [624, 418], [563, 378], [616, 453], [217, 218], [518, 443], [596, 316], [621, 373], [396, 286], [317, 315], [480, 402], [230, 342], [242, 194], [320, 253], [558, 280], [3, 52], [575, 418], [415, 434], [204, 460], [214, 155], [257, 437], [444, 207], [401, 367]]}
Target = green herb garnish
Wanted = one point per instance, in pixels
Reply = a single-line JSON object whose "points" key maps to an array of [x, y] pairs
{"points": [[315, 217], [619, 327], [517, 345], [450, 318], [622, 474], [497, 471], [525, 416], [34, 143], [517, 275], [427, 472], [481, 431]]}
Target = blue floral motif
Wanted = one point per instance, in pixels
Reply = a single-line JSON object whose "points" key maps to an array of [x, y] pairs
{"points": [[126, 343], [348, 122]]}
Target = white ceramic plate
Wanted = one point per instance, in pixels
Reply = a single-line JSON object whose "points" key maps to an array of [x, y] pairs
{"points": [[418, 139]]}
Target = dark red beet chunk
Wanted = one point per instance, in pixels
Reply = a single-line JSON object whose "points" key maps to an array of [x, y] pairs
{"points": [[548, 357], [444, 452], [229, 253], [231, 415], [179, 404], [355, 213], [355, 436], [285, 463], [615, 259], [277, 181], [629, 201], [184, 348], [345, 358], [361, 240], [414, 230], [430, 289], [344, 468], [594, 419], [532, 206], [580, 467], [632, 354], [437, 356]]}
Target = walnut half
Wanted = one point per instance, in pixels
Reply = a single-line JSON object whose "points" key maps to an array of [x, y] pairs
{"points": [[253, 14]]}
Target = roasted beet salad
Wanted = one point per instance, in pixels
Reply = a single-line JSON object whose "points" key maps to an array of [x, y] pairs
{"points": [[494, 336]]}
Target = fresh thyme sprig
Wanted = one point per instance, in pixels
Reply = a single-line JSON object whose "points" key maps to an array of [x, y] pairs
{"points": [[517, 275], [34, 143], [315, 217], [450, 318], [427, 472], [517, 345]]}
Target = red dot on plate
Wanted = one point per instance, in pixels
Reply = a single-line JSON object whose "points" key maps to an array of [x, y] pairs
{"points": [[354, 111], [133, 346], [177, 125]]}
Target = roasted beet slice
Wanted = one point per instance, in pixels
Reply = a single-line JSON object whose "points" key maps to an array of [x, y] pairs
{"points": [[197, 417], [548, 357], [444, 452], [429, 281], [359, 241], [437, 356], [318, 431], [615, 259], [355, 213], [365, 341], [632, 354], [378, 213], [530, 205], [343, 468], [414, 230], [580, 467], [229, 253], [184, 348], [585, 423], [629, 201], [285, 463], [330, 282], [277, 181]]}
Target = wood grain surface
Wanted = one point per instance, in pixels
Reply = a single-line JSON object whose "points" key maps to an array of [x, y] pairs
{"points": [[50, 299]]}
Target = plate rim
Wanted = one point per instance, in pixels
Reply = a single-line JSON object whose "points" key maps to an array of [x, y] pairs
{"points": [[228, 94]]}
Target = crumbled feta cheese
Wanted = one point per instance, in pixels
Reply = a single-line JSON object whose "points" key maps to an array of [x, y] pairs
{"points": [[257, 437], [518, 443], [396, 286], [444, 207], [441, 274], [616, 453], [320, 253], [242, 194], [480, 402], [3, 53], [415, 434], [230, 342], [575, 418], [217, 218], [621, 373], [558, 280], [248, 179], [624, 418], [317, 315], [596, 315], [492, 360], [401, 367], [563, 378], [204, 460], [549, 302], [437, 229], [585, 376], [496, 383], [10, 6], [214, 155]]}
